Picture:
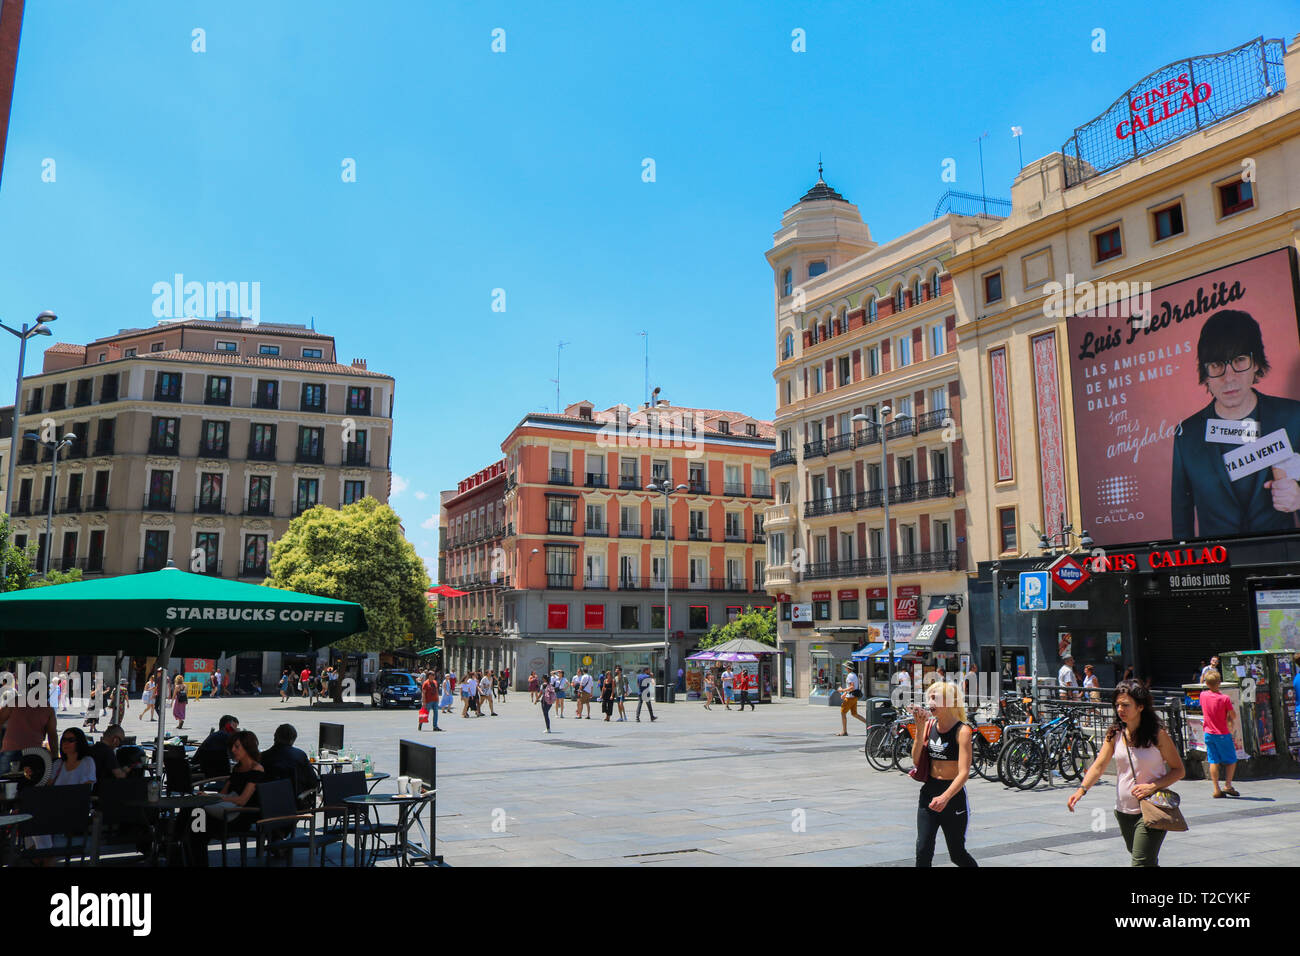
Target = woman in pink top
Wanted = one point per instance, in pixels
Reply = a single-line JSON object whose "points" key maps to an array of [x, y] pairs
{"points": [[1147, 761]]}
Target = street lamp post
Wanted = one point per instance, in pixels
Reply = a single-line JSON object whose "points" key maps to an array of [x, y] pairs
{"points": [[665, 487], [1047, 543], [68, 440], [889, 538], [37, 328]]}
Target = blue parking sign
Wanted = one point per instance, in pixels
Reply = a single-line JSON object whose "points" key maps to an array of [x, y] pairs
{"points": [[1035, 590]]}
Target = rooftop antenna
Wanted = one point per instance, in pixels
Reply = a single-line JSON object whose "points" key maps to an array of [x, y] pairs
{"points": [[983, 196], [646, 335], [556, 380], [1016, 133], [819, 167]]}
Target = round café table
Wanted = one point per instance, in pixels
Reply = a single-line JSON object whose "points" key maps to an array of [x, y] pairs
{"points": [[172, 803], [406, 812], [374, 779]]}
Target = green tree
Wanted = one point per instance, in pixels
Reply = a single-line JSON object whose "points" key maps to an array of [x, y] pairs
{"points": [[56, 577], [756, 625], [357, 553], [20, 565]]}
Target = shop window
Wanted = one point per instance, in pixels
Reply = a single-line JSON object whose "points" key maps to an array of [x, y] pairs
{"points": [[557, 617], [821, 610], [699, 617], [876, 609], [657, 617], [629, 617], [785, 610], [849, 610]]}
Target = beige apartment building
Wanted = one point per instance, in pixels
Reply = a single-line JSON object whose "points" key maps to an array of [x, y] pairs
{"points": [[1080, 325], [860, 326], [196, 442]]}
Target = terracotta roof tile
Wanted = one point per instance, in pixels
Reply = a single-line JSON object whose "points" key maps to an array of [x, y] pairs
{"points": [[261, 361], [68, 348]]}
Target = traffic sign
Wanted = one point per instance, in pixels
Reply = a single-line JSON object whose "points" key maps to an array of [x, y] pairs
{"points": [[1035, 590], [1069, 573]]}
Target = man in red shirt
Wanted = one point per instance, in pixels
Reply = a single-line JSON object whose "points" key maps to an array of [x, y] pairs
{"points": [[429, 697], [1220, 748], [304, 681]]}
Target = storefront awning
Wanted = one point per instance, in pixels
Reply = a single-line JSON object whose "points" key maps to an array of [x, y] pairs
{"points": [[870, 650], [939, 630]]}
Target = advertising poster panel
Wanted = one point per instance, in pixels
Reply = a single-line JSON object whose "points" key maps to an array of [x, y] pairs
{"points": [[1187, 404]]}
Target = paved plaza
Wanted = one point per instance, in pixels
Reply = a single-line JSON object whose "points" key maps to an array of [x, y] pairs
{"points": [[712, 788]]}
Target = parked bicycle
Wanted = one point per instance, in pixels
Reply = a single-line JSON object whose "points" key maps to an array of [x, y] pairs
{"points": [[1060, 743]]}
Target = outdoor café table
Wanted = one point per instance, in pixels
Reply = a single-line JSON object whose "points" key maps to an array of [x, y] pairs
{"points": [[373, 779], [331, 764], [9, 833], [408, 813], [189, 801]]}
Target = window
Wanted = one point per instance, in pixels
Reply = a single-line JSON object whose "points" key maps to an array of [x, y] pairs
{"points": [[821, 608], [629, 617], [211, 492], [724, 427], [261, 442], [849, 609], [939, 465], [873, 360], [629, 573], [95, 558], [308, 494], [917, 295], [559, 515], [227, 346], [218, 391], [751, 429], [900, 299], [1168, 222], [168, 387], [734, 526], [872, 312], [905, 474], [595, 519], [907, 539], [1107, 244], [877, 607], [259, 495], [157, 346], [359, 400], [657, 617], [941, 536], [776, 548], [255, 554], [903, 407], [845, 374], [938, 340], [268, 350], [699, 617], [128, 353], [353, 491], [312, 353], [904, 351], [938, 399], [1007, 529], [844, 320], [164, 437], [816, 268], [935, 285], [817, 380], [209, 542], [1235, 197], [993, 287], [629, 520], [103, 357], [155, 550], [787, 346], [787, 282], [313, 398], [310, 441]]}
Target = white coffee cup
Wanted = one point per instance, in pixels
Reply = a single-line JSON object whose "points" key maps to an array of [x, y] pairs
{"points": [[11, 790], [403, 786]]}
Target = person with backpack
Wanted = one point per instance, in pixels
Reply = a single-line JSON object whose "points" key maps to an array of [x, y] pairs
{"points": [[645, 688]]}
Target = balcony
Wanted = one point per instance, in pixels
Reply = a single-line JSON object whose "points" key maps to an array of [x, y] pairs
{"points": [[94, 564], [628, 582], [629, 531], [213, 569], [359, 408], [629, 481], [264, 507], [217, 399], [33, 407], [161, 394], [698, 533], [901, 427], [76, 450], [733, 490], [84, 396], [921, 490], [598, 531], [760, 537], [875, 567], [40, 506], [929, 421], [829, 506], [761, 491], [157, 447], [697, 486], [597, 480], [559, 525], [307, 456], [23, 507], [27, 456], [596, 582], [783, 457], [159, 503], [734, 535], [97, 501], [839, 443], [58, 402], [657, 533], [70, 505], [104, 446], [312, 406], [777, 576], [559, 582], [268, 402], [252, 570], [302, 507], [108, 392], [560, 476], [151, 564], [777, 514], [356, 457], [869, 434], [218, 450], [209, 506], [814, 449], [511, 483], [261, 452]]}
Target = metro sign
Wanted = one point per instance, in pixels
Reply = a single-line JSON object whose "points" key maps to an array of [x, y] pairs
{"points": [[1069, 574]]}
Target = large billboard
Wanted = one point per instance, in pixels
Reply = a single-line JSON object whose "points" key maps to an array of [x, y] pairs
{"points": [[1187, 406]]}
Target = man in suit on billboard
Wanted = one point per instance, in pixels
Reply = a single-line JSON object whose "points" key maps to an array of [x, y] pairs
{"points": [[1208, 501]]}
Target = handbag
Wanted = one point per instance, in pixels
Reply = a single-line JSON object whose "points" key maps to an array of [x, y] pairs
{"points": [[1160, 810], [921, 772]]}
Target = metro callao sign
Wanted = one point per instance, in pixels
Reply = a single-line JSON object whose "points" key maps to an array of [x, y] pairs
{"points": [[1161, 560], [1069, 574]]}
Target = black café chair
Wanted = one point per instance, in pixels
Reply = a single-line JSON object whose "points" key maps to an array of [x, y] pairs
{"points": [[121, 826], [277, 824], [180, 779], [335, 787], [56, 811]]}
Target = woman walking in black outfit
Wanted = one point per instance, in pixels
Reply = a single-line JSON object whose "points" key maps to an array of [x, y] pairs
{"points": [[607, 695], [943, 734]]}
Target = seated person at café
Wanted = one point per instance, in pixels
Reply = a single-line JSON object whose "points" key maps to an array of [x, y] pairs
{"points": [[214, 754], [238, 793], [284, 761], [104, 753]]}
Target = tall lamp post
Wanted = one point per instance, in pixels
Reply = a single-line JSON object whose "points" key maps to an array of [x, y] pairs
{"points": [[889, 538], [67, 441], [39, 327], [665, 487], [1048, 545]]}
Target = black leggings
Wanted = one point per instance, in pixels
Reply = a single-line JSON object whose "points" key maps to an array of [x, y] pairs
{"points": [[546, 714], [954, 820]]}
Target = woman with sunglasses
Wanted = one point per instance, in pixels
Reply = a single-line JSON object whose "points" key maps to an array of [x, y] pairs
{"points": [[1147, 761], [943, 733]]}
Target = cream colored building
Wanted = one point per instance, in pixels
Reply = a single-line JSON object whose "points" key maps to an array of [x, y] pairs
{"points": [[196, 441], [860, 326]]}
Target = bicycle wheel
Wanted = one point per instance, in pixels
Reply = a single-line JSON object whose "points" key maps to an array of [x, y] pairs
{"points": [[984, 761], [1024, 763], [1076, 757], [903, 752], [879, 747]]}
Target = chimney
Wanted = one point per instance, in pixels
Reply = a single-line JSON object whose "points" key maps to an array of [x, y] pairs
{"points": [[359, 363]]}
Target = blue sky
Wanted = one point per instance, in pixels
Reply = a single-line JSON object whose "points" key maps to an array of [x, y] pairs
{"points": [[520, 171]]}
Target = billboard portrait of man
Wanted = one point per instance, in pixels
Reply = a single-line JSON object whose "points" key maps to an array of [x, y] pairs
{"points": [[1220, 484]]}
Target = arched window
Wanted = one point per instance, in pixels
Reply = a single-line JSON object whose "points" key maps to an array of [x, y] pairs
{"points": [[844, 320], [787, 349], [787, 282], [934, 284], [916, 291], [900, 301], [871, 309]]}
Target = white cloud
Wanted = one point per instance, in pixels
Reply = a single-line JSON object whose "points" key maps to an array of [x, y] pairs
{"points": [[400, 484], [420, 495], [430, 523]]}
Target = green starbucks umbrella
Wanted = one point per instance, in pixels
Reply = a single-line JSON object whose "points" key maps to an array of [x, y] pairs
{"points": [[157, 612]]}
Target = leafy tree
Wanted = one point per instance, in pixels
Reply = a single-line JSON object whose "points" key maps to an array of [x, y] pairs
{"points": [[20, 564], [756, 625], [357, 553], [56, 577]]}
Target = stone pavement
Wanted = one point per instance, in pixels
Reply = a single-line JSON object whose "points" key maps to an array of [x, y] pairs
{"points": [[712, 788]]}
